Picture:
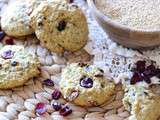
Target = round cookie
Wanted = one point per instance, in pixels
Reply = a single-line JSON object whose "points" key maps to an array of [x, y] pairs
{"points": [[85, 85], [16, 66], [16, 18], [142, 103], [60, 26]]}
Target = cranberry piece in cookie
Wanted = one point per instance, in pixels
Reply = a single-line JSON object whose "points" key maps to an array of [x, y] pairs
{"points": [[61, 25], [7, 54], [9, 41], [86, 82]]}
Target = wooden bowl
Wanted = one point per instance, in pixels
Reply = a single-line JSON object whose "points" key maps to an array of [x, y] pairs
{"points": [[129, 37]]}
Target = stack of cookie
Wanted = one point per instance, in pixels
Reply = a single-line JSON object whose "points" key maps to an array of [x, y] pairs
{"points": [[58, 24]]}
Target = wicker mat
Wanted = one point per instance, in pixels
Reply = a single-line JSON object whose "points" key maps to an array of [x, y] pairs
{"points": [[19, 103]]}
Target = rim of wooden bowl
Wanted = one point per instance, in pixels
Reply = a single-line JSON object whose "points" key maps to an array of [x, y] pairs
{"points": [[111, 22]]}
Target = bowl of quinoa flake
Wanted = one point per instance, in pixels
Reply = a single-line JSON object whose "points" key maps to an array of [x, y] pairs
{"points": [[132, 23]]}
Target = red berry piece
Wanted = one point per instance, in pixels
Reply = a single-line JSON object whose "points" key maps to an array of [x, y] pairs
{"points": [[140, 65], [48, 82], [65, 111], [144, 73], [9, 41], [40, 109], [135, 78], [56, 94], [7, 54], [86, 82], [57, 106], [150, 70], [61, 25]]}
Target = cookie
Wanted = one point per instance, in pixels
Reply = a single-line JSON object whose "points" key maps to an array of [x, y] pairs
{"points": [[85, 85], [16, 66], [16, 18], [60, 26], [142, 103], [35, 3]]}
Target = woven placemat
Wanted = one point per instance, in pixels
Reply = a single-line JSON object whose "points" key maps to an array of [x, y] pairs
{"points": [[19, 103]]}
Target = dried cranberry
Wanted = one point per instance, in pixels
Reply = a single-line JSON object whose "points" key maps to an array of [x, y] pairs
{"points": [[140, 65], [40, 108], [57, 106], [144, 73], [151, 67], [135, 78], [65, 111], [150, 70], [48, 82], [61, 25], [9, 41], [56, 94], [14, 63], [86, 82], [2, 35], [7, 54], [71, 1]]}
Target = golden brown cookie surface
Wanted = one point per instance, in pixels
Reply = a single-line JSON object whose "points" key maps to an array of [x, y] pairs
{"points": [[17, 66], [15, 20], [60, 26], [85, 85], [142, 103]]}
